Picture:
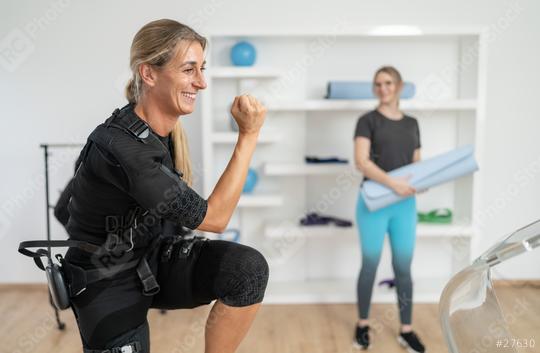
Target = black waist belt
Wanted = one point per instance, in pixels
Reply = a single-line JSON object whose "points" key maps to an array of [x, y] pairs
{"points": [[68, 280], [38, 254]]}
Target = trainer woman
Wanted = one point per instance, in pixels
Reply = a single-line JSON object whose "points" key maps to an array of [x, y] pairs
{"points": [[131, 195], [386, 139]]}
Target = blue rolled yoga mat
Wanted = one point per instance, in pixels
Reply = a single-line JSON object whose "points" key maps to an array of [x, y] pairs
{"points": [[424, 174], [361, 90]]}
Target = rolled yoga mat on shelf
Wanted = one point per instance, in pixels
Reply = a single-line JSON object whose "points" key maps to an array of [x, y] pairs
{"points": [[424, 174], [361, 90]]}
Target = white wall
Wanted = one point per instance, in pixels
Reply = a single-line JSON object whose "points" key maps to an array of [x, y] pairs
{"points": [[70, 59]]}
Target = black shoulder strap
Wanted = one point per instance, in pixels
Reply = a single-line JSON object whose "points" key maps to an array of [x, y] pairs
{"points": [[125, 119]]}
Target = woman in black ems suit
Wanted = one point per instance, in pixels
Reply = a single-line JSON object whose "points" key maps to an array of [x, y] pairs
{"points": [[131, 195]]}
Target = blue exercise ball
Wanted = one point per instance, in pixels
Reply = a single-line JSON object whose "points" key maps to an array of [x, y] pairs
{"points": [[231, 234], [243, 54], [251, 181]]}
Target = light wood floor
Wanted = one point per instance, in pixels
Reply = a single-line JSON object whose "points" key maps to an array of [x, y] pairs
{"points": [[27, 325]]}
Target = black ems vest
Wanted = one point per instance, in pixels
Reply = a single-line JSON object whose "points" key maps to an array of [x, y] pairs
{"points": [[124, 195]]}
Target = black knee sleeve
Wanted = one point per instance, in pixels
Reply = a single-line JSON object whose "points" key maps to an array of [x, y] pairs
{"points": [[248, 275], [136, 340]]}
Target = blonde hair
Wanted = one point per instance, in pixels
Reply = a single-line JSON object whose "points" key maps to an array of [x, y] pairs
{"points": [[394, 73], [156, 44], [390, 70]]}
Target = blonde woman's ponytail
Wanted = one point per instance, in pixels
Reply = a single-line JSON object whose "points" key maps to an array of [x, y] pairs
{"points": [[182, 160]]}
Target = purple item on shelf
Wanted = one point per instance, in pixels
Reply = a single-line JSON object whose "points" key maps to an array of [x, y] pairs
{"points": [[390, 282], [314, 160], [314, 219]]}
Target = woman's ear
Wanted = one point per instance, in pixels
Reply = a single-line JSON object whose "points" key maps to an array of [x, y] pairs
{"points": [[148, 74], [400, 86]]}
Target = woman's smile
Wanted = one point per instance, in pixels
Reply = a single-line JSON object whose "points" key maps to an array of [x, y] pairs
{"points": [[189, 96]]}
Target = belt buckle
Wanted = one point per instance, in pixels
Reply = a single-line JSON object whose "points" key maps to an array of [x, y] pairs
{"points": [[126, 349], [185, 249]]}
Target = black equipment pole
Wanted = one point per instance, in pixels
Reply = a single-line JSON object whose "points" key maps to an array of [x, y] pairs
{"points": [[61, 325]]}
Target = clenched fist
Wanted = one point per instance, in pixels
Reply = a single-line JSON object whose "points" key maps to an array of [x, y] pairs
{"points": [[249, 113]]}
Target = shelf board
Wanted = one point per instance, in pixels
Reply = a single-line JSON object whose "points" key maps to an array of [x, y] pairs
{"points": [[231, 137], [370, 104], [444, 230], [247, 200], [237, 72], [307, 169], [360, 31], [426, 290], [292, 229]]}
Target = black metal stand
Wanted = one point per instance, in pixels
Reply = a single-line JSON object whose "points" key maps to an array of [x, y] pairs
{"points": [[60, 324]]}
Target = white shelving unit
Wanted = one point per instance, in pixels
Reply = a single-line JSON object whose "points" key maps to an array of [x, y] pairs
{"points": [[289, 229], [284, 169], [368, 104], [321, 263], [231, 137], [234, 72], [260, 201]]}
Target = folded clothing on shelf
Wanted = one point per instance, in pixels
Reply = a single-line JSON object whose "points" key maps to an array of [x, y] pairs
{"points": [[362, 90], [313, 159], [314, 219], [439, 215]]}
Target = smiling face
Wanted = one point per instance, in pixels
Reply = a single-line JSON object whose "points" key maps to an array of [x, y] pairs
{"points": [[176, 84], [386, 88]]}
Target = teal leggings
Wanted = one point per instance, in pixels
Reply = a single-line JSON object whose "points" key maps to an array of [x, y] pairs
{"points": [[399, 221]]}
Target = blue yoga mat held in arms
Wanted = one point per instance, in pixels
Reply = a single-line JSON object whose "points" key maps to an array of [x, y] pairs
{"points": [[423, 174]]}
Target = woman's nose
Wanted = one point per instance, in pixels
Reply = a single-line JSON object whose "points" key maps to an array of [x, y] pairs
{"points": [[200, 82]]}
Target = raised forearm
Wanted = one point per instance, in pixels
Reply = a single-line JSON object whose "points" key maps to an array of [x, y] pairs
{"points": [[224, 198]]}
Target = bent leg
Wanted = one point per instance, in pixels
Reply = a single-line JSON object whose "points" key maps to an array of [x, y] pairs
{"points": [[112, 313], [237, 275], [227, 326], [234, 274]]}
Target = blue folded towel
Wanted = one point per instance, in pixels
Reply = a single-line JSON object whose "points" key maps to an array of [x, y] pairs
{"points": [[361, 90], [424, 174]]}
